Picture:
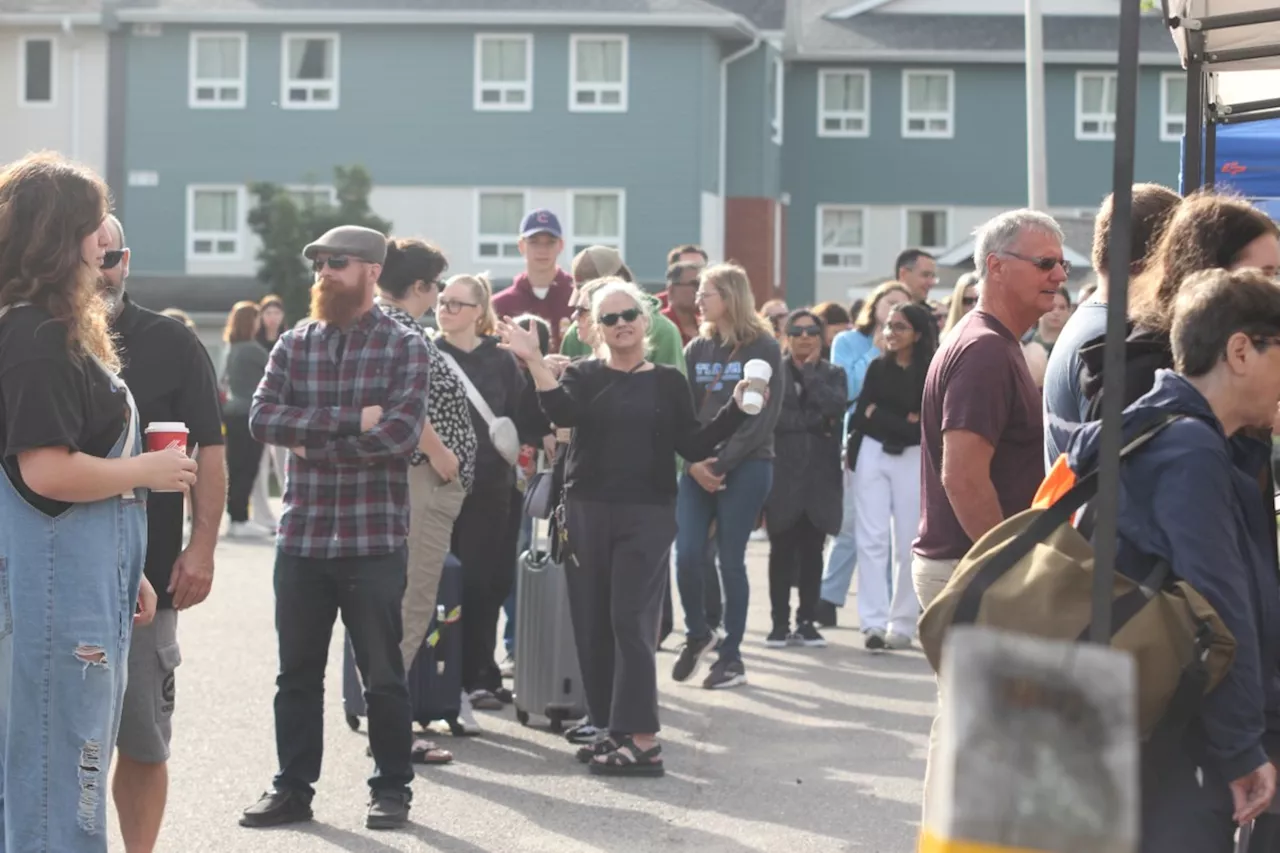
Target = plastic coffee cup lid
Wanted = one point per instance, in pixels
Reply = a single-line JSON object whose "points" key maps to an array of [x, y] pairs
{"points": [[166, 426]]}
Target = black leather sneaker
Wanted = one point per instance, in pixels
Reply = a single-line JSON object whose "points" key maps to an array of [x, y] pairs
{"points": [[277, 808], [388, 810], [691, 654]]}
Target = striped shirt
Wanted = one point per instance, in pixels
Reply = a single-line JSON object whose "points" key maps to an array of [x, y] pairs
{"points": [[349, 496]]}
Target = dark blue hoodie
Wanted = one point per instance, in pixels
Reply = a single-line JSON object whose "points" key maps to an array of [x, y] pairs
{"points": [[1192, 497]]}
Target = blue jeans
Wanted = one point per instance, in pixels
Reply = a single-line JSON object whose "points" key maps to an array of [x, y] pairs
{"points": [[68, 587], [310, 594], [838, 574], [735, 510]]}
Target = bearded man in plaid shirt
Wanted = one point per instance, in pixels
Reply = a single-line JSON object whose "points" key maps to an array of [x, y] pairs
{"points": [[347, 393]]}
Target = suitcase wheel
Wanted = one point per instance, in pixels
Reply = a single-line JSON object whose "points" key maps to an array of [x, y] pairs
{"points": [[354, 722], [522, 717]]}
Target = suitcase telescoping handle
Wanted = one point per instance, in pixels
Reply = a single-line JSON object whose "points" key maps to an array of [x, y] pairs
{"points": [[538, 559]]}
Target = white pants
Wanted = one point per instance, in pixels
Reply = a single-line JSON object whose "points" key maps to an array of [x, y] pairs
{"points": [[887, 501], [260, 497]]}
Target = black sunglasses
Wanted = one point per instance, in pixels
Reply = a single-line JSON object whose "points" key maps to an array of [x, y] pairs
{"points": [[335, 262], [1043, 264], [804, 331], [112, 258], [628, 316]]}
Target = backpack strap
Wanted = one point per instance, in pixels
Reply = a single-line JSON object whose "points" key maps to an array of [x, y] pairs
{"points": [[1042, 528]]}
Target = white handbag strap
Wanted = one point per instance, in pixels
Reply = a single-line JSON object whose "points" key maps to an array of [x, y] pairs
{"points": [[472, 393]]}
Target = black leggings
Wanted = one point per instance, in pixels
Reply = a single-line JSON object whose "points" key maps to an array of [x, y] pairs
{"points": [[795, 558], [483, 544], [244, 455]]}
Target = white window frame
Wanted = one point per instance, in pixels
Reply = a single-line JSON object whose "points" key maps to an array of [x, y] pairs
{"points": [[571, 235], [779, 72], [823, 114], [1081, 116], [53, 72], [526, 86], [575, 86], [926, 208], [479, 237], [194, 83], [331, 190], [949, 115], [242, 213], [336, 83], [866, 221], [1170, 111]]}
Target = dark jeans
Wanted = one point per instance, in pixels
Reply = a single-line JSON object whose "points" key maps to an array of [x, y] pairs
{"points": [[795, 558], [715, 598], [244, 454], [1185, 809], [615, 598], [485, 543], [310, 594]]}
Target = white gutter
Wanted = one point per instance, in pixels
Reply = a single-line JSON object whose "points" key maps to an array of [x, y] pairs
{"points": [[757, 40], [321, 17], [49, 19], [989, 57], [68, 29]]}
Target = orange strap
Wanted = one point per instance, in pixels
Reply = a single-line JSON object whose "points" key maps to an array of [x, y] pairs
{"points": [[1060, 480]]}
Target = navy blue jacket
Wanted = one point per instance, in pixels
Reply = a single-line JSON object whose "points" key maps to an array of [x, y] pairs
{"points": [[1192, 497]]}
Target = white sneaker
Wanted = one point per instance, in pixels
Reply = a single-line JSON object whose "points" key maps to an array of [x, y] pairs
{"points": [[237, 529], [897, 642], [760, 535], [467, 716]]}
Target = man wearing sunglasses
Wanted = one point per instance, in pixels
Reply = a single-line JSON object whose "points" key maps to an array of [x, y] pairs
{"points": [[348, 394], [172, 379]]}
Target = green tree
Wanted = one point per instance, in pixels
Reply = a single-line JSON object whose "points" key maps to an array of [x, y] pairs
{"points": [[286, 221]]}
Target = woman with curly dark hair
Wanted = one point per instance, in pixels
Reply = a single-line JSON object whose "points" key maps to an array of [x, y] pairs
{"points": [[72, 510]]}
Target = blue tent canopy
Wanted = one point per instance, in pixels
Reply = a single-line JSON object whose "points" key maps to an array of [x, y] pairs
{"points": [[1248, 162]]}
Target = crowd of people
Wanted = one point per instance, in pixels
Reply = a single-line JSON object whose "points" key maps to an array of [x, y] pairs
{"points": [[407, 414]]}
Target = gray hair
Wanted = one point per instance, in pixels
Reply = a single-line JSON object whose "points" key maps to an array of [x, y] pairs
{"points": [[999, 234], [117, 227], [606, 287]]}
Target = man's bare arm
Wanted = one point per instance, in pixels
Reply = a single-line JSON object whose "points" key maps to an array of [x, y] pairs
{"points": [[192, 576], [966, 477]]}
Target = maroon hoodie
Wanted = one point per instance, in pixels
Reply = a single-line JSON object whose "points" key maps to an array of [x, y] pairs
{"points": [[519, 299]]}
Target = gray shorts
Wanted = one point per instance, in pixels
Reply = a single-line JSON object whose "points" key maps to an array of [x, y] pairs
{"points": [[146, 722]]}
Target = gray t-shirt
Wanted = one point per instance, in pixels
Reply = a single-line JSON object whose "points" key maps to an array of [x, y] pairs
{"points": [[1064, 403]]}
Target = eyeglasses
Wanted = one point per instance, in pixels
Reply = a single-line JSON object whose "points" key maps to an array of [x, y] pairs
{"points": [[1044, 264], [704, 295], [112, 258], [628, 316], [454, 306], [334, 262], [899, 328], [804, 331], [579, 311], [969, 301]]}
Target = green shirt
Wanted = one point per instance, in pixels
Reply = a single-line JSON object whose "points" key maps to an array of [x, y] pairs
{"points": [[664, 342]]}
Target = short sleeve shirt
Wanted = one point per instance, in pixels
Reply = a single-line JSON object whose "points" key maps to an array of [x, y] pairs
{"points": [[978, 382]]}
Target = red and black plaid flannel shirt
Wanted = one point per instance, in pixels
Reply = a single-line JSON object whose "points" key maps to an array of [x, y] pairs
{"points": [[349, 497]]}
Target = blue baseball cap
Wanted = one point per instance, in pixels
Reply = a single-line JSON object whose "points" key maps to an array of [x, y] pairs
{"points": [[540, 221]]}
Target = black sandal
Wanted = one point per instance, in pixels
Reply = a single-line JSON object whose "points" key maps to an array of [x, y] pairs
{"points": [[603, 746], [646, 762]]}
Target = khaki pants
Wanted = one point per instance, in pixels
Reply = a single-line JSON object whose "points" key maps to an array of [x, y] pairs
{"points": [[434, 506], [929, 577]]}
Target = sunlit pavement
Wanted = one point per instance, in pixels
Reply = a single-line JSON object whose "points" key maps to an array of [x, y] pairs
{"points": [[823, 751]]}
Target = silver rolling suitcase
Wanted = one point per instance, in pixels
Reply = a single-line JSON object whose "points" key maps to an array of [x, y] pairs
{"points": [[548, 680]]}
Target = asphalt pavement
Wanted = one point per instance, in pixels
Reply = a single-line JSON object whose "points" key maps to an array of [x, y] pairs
{"points": [[822, 751]]}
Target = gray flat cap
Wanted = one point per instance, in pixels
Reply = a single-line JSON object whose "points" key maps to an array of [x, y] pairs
{"points": [[354, 241]]}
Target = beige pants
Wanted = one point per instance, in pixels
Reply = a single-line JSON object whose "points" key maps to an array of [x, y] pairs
{"points": [[434, 506], [929, 577]]}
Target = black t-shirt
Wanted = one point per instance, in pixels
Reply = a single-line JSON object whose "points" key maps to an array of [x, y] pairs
{"points": [[172, 379], [50, 398]]}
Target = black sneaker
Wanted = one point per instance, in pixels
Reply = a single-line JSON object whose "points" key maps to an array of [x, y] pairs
{"points": [[584, 733], [725, 674], [778, 636], [691, 654], [277, 808], [825, 614], [810, 637], [874, 641], [388, 810]]}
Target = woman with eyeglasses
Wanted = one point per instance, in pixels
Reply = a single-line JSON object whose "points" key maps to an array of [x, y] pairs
{"points": [[480, 539], [804, 504], [853, 351], [246, 362], [963, 299], [443, 468], [885, 458], [629, 418]]}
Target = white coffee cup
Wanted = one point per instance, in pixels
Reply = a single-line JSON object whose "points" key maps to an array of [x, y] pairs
{"points": [[758, 373]]}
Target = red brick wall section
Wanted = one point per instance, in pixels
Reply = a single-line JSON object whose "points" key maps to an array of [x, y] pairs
{"points": [[748, 240]]}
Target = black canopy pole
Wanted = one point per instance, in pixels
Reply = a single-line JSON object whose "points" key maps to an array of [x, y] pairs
{"points": [[1106, 502], [1193, 153], [1211, 152]]}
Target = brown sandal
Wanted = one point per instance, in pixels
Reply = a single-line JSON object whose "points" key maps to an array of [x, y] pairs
{"points": [[426, 752]]}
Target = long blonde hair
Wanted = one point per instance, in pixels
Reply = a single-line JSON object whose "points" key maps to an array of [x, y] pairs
{"points": [[745, 325], [482, 293]]}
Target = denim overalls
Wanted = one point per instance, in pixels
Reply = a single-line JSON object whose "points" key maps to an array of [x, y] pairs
{"points": [[68, 588]]}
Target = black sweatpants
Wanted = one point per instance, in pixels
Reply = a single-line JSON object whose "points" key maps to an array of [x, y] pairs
{"points": [[616, 591], [244, 455], [484, 546], [795, 557]]}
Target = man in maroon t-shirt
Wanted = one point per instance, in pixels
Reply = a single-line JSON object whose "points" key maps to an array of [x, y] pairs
{"points": [[982, 454], [543, 288]]}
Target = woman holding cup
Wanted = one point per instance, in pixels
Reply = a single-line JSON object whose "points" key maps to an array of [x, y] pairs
{"points": [[72, 508], [629, 417]]}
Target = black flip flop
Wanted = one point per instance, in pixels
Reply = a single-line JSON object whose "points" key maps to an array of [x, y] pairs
{"points": [[646, 762]]}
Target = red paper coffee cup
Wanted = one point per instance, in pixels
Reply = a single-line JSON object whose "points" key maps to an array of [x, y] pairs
{"points": [[166, 435]]}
